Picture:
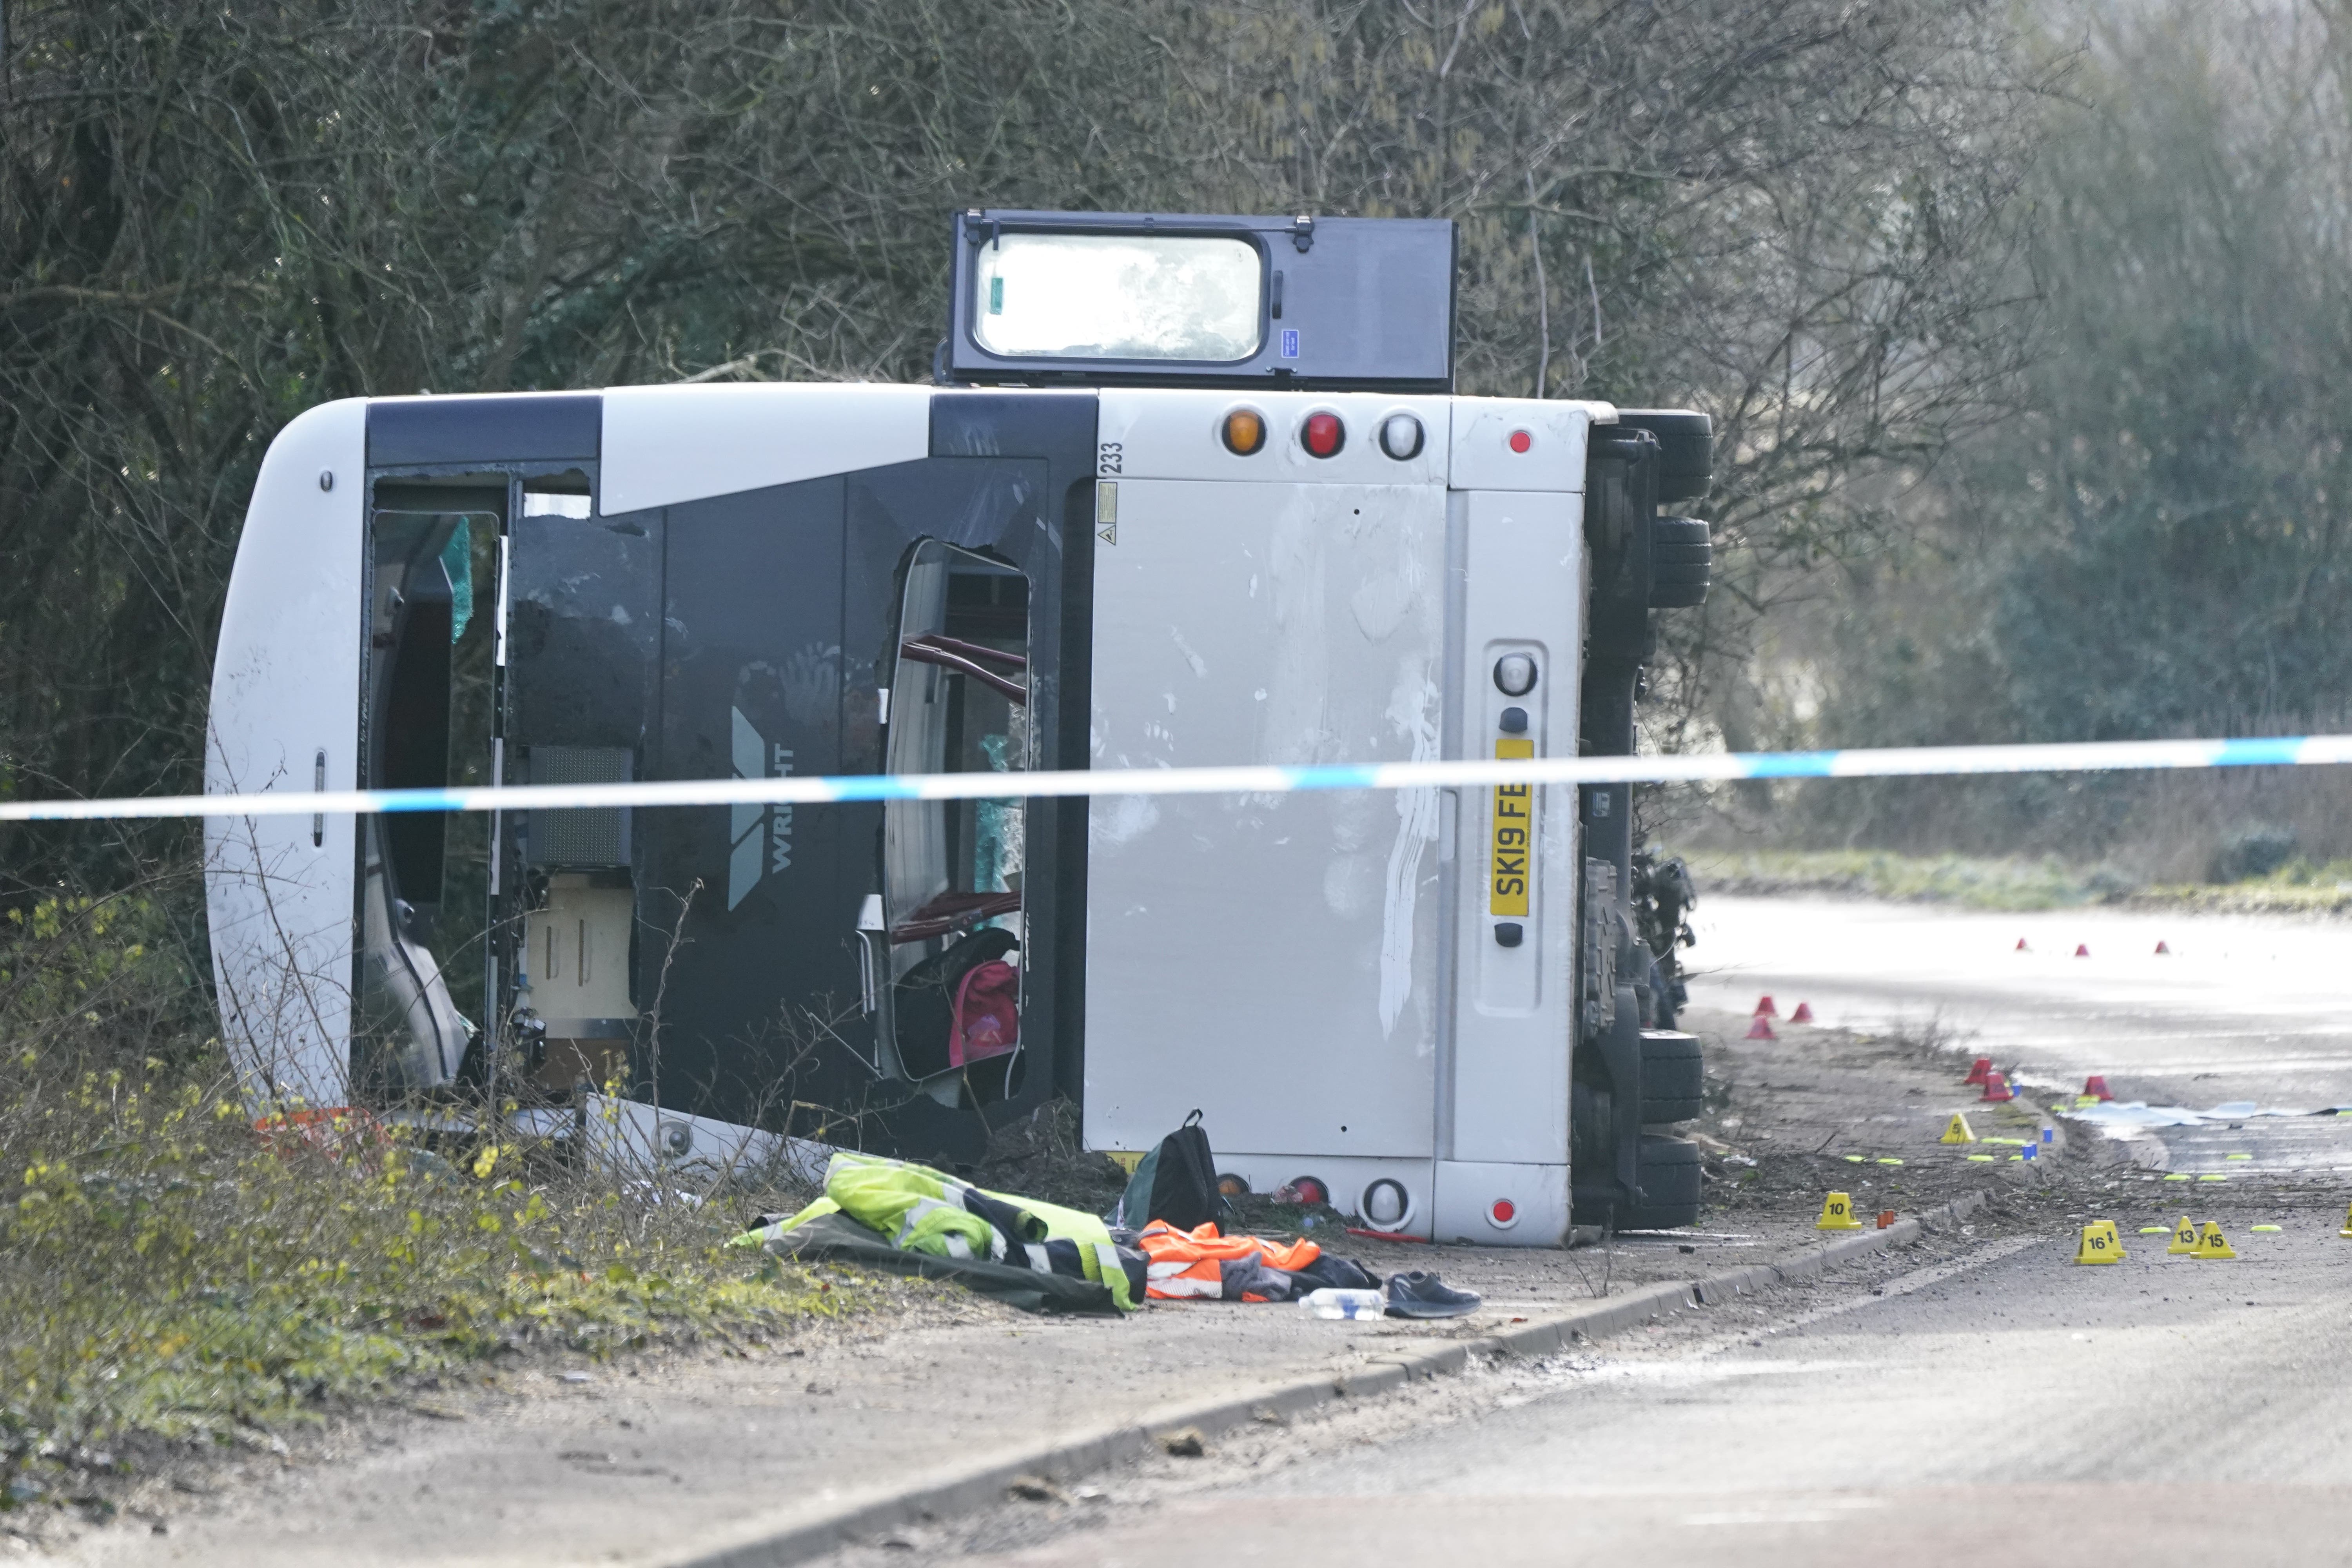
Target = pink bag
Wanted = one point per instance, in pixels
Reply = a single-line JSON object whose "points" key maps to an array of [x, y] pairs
{"points": [[987, 1013]]}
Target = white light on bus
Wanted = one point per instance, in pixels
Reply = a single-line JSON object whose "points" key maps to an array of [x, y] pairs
{"points": [[1401, 436], [1515, 675]]}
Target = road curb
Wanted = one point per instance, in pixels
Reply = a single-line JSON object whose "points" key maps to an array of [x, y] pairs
{"points": [[773, 1544]]}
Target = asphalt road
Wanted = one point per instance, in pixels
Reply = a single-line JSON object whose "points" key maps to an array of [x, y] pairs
{"points": [[1999, 1403], [2005, 1405], [2244, 1007]]}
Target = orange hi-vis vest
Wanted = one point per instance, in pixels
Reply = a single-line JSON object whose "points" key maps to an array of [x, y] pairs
{"points": [[1201, 1265]]}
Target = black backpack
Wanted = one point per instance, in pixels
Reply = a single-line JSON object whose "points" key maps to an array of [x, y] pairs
{"points": [[1176, 1182]]}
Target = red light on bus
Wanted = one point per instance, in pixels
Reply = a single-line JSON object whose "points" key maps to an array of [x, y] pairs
{"points": [[1323, 435]]}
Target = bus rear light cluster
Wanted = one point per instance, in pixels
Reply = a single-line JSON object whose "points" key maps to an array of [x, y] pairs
{"points": [[1322, 433]]}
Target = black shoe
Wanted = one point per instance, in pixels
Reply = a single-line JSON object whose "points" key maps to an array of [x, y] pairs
{"points": [[1423, 1295]]}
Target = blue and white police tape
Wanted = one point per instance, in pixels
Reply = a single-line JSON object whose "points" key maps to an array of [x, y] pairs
{"points": [[2281, 750]]}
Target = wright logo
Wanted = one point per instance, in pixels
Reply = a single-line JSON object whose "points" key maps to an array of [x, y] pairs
{"points": [[762, 835]]}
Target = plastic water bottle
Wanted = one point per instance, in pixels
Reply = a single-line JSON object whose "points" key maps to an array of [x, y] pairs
{"points": [[1333, 1303]]}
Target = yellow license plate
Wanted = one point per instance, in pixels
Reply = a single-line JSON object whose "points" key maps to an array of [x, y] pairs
{"points": [[1513, 860]]}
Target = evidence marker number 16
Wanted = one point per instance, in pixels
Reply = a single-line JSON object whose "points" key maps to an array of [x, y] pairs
{"points": [[1514, 837]]}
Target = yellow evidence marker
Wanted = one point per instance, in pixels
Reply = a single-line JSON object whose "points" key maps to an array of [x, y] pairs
{"points": [[2184, 1238], [2100, 1244], [2211, 1244], [1837, 1214], [1957, 1132], [2347, 1231]]}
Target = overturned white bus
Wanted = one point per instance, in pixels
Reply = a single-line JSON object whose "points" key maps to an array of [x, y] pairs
{"points": [[1188, 490]]}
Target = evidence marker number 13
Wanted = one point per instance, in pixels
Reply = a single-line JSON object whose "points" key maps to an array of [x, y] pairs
{"points": [[1514, 823]]}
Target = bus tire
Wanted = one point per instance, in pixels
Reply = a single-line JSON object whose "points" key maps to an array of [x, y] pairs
{"points": [[1673, 1078], [1668, 1173]]}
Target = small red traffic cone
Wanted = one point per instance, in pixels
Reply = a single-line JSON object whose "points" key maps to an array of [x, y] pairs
{"points": [[2021, 944], [1764, 1008], [1996, 1087], [1803, 1015], [1980, 1071], [2095, 1086], [1760, 1028], [2081, 950], [2163, 949]]}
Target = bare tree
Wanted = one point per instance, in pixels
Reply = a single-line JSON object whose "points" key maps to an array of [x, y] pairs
{"points": [[1788, 212]]}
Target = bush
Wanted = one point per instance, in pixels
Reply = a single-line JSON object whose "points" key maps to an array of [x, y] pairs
{"points": [[2256, 849]]}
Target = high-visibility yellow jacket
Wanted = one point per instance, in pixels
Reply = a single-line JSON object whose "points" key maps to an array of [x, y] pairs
{"points": [[918, 1209]]}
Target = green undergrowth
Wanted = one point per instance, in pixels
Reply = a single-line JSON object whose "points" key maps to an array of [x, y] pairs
{"points": [[170, 1267], [2299, 886]]}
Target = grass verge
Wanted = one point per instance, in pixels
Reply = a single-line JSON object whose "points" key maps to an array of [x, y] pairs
{"points": [[2298, 887], [171, 1271]]}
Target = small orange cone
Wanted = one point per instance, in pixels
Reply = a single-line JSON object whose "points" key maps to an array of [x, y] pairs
{"points": [[2095, 1087], [2163, 949], [1996, 1087], [1981, 1071], [2021, 944], [1764, 1008], [2081, 950], [1803, 1015], [1760, 1028]]}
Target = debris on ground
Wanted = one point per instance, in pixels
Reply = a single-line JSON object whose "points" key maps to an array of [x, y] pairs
{"points": [[1184, 1442]]}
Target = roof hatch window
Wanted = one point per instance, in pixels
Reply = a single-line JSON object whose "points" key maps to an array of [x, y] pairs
{"points": [[1120, 297]]}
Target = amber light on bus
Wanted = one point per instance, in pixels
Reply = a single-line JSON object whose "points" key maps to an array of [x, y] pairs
{"points": [[1244, 432]]}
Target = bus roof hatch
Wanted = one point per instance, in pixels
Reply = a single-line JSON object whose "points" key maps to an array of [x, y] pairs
{"points": [[1045, 299]]}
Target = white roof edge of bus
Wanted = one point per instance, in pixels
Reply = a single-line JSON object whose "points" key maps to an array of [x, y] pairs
{"points": [[285, 697], [666, 445]]}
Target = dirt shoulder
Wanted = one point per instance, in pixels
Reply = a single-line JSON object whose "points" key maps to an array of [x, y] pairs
{"points": [[633, 1458]]}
